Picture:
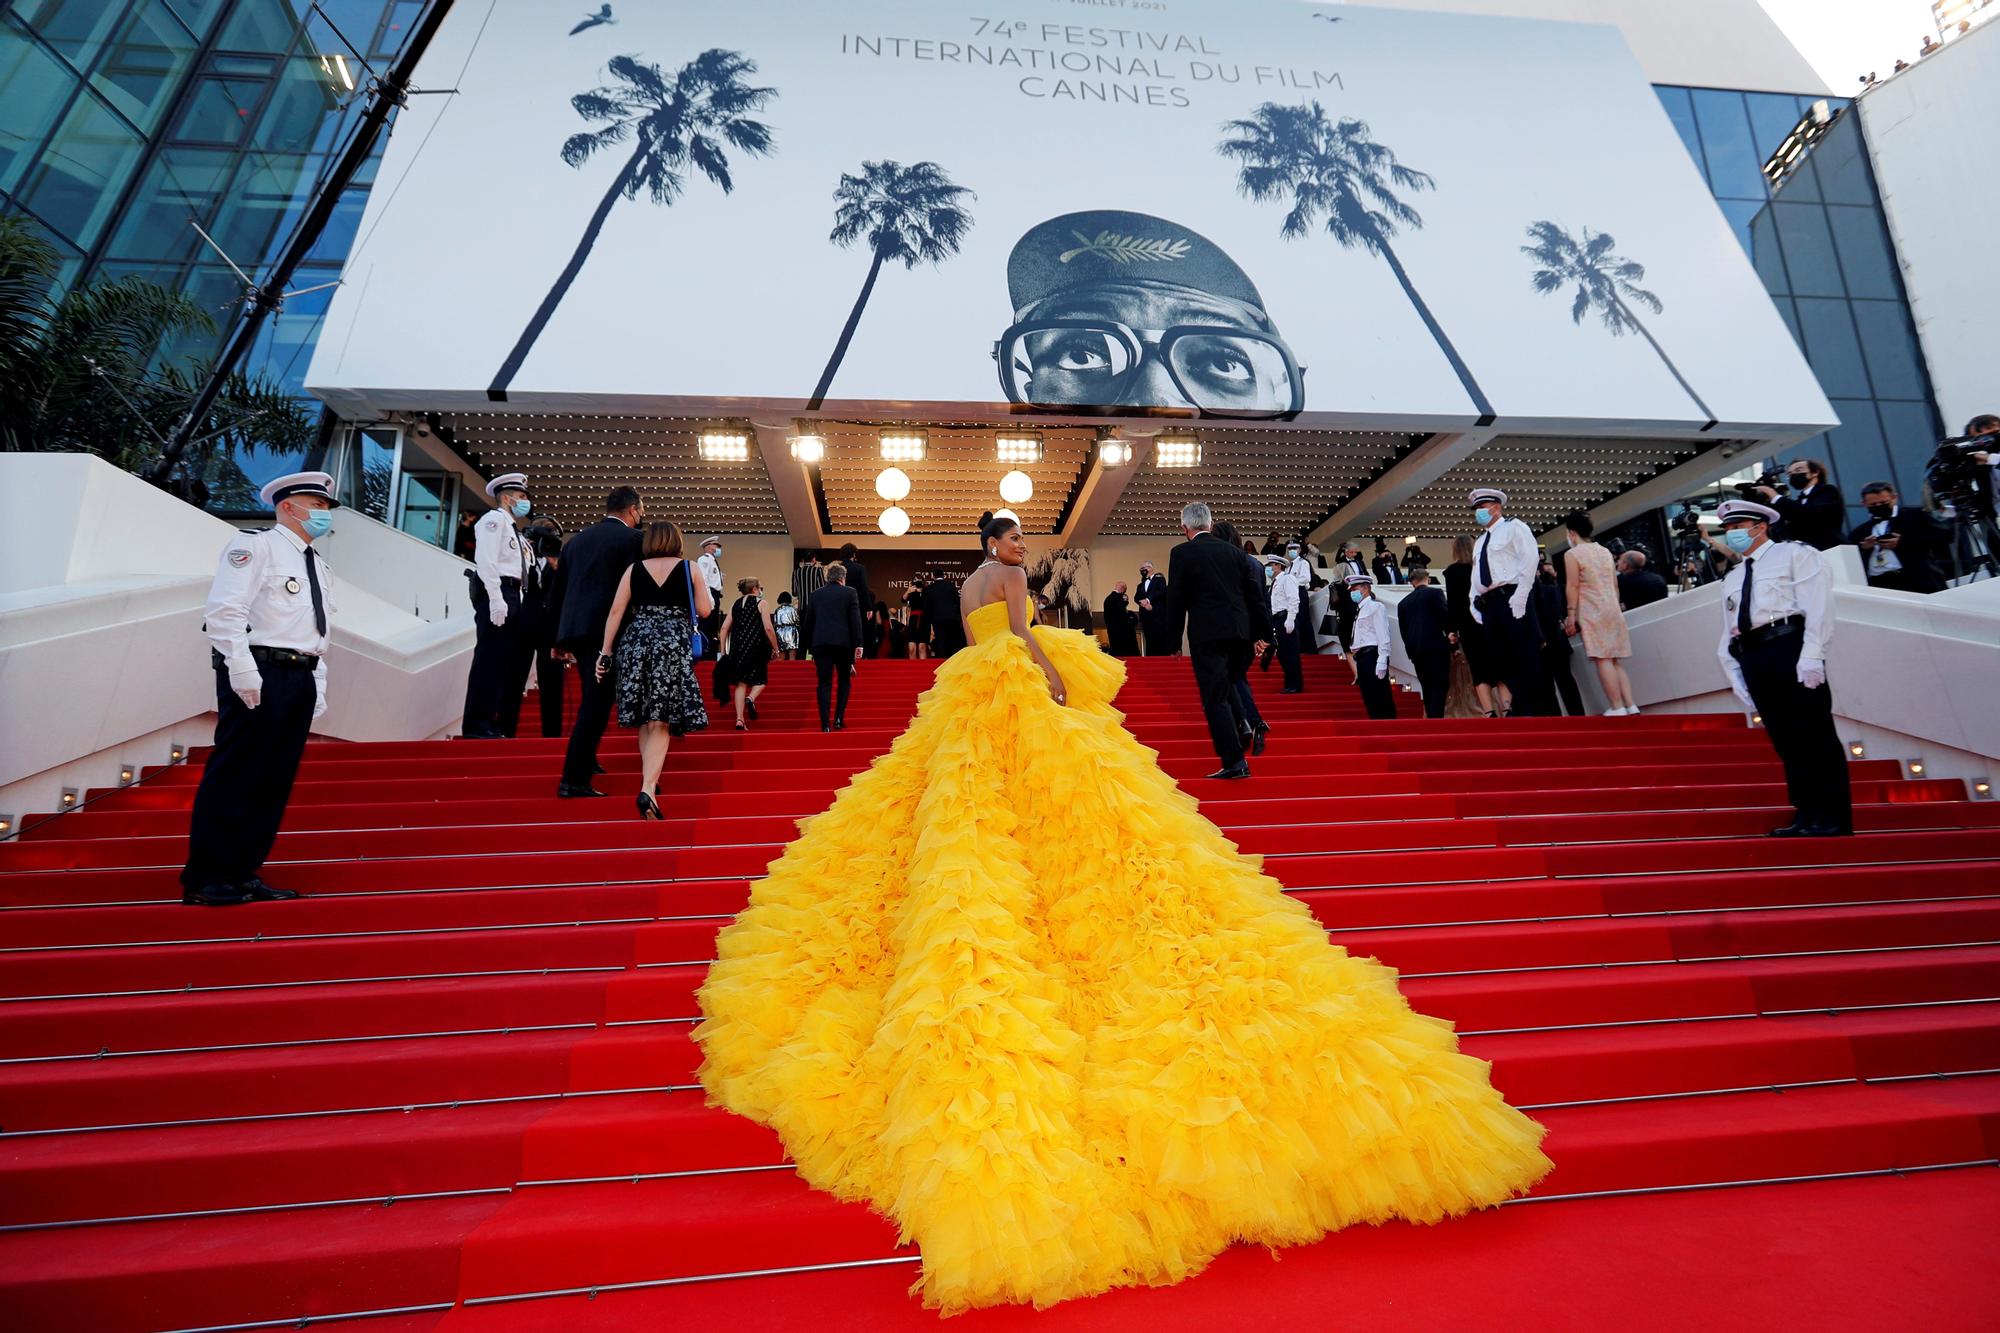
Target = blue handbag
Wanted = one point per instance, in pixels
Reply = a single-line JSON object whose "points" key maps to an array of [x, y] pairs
{"points": [[697, 642]]}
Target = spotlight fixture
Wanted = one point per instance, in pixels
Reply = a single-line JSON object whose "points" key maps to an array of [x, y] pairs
{"points": [[1181, 451], [1916, 768], [6, 825], [808, 448], [126, 773], [178, 752], [1756, 719], [724, 446], [1009, 515], [1857, 749], [902, 446], [1410, 540], [1980, 788], [894, 521], [1022, 447], [1017, 488], [892, 484], [1113, 452], [70, 796]]}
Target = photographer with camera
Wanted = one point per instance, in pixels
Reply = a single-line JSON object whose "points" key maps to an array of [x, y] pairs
{"points": [[1901, 548], [1817, 515], [1776, 628], [1964, 478]]}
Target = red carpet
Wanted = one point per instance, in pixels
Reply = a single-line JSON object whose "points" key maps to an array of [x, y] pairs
{"points": [[459, 1071]]}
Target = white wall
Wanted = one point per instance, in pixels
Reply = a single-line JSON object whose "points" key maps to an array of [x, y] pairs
{"points": [[1700, 43], [1931, 134], [102, 659]]}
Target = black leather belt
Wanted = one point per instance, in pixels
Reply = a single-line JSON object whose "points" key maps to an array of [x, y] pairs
{"points": [[280, 657], [1777, 629], [1501, 592]]}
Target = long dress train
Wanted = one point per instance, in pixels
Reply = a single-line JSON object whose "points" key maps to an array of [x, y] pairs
{"points": [[1014, 991]]}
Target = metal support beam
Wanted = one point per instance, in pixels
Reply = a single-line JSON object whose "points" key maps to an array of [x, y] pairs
{"points": [[1102, 486], [791, 482]]}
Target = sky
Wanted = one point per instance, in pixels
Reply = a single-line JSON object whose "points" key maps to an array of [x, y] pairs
{"points": [[1847, 38]]}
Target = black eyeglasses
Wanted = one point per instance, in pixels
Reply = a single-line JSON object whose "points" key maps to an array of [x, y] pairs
{"points": [[1221, 370]]}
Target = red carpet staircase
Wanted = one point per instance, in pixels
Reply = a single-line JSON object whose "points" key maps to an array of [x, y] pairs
{"points": [[452, 1087]]}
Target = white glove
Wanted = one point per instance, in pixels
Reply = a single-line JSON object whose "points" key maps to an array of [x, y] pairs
{"points": [[1518, 604], [496, 613], [249, 686], [1382, 669], [1291, 623], [1812, 672], [319, 691], [1477, 618]]}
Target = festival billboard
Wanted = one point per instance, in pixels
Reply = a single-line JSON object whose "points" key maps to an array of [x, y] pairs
{"points": [[1257, 210]]}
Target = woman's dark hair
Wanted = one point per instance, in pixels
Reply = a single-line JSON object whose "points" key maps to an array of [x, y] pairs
{"points": [[1579, 522], [1461, 550], [991, 527], [1250, 546], [784, 599], [1226, 532], [663, 538]]}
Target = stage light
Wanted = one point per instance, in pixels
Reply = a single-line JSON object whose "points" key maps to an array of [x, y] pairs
{"points": [[1176, 451], [1008, 515], [892, 484], [178, 752], [894, 522], [1916, 768], [1017, 488], [1982, 788], [70, 796], [1113, 452], [902, 446], [1410, 540], [126, 773], [1857, 749], [808, 448], [6, 825], [1019, 447], [724, 446]]}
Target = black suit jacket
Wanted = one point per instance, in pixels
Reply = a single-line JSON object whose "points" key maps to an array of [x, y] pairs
{"points": [[1210, 591], [1641, 587], [1386, 570], [832, 618], [941, 607], [1117, 612], [1921, 550], [1420, 619], [857, 579], [1819, 520], [592, 563]]}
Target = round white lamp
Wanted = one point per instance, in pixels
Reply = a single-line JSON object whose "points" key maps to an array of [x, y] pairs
{"points": [[892, 484], [1017, 488], [1009, 515], [894, 521]]}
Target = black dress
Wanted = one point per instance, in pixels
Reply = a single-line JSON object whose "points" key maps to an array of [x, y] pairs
{"points": [[655, 661], [749, 659], [1480, 660]]}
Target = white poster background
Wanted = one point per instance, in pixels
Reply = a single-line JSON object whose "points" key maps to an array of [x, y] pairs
{"points": [[741, 295]]}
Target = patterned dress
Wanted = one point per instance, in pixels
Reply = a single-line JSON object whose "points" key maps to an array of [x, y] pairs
{"points": [[749, 651], [1597, 615], [654, 657]]}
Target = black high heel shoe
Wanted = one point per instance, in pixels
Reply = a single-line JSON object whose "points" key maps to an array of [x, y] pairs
{"points": [[750, 707], [741, 727], [648, 807]]}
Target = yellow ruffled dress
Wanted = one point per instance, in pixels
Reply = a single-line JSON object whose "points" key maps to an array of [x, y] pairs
{"points": [[1013, 990]]}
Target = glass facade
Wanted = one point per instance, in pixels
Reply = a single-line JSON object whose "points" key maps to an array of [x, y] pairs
{"points": [[1821, 245], [126, 123]]}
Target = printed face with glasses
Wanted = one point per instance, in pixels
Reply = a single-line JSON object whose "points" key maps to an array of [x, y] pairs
{"points": [[1149, 344]]}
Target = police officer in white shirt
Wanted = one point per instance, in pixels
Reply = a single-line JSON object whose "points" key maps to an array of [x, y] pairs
{"points": [[1775, 630], [1371, 647], [267, 620], [1505, 562], [503, 652], [1287, 598], [709, 565]]}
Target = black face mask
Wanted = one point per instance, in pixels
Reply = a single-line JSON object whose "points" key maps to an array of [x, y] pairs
{"points": [[1883, 510], [1800, 480]]}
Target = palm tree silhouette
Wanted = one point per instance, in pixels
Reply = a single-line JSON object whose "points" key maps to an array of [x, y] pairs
{"points": [[1605, 282], [1335, 169], [908, 213], [687, 121]]}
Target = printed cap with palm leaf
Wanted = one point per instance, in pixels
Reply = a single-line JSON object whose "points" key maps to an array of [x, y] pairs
{"points": [[1109, 245]]}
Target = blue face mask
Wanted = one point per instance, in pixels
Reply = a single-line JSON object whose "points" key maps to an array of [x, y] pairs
{"points": [[1483, 516], [1738, 540], [1356, 596], [318, 522], [521, 508]]}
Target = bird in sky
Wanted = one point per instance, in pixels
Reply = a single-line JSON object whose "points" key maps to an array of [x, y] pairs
{"points": [[1330, 18], [602, 16]]}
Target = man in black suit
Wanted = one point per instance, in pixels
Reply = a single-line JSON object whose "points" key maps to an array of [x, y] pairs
{"points": [[1151, 600], [592, 563], [857, 577], [1817, 515], [1384, 567], [1901, 548], [1422, 618], [831, 631], [1121, 627], [942, 619], [1211, 587], [538, 605], [1637, 585]]}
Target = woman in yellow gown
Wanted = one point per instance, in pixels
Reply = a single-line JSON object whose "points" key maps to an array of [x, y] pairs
{"points": [[1014, 991]]}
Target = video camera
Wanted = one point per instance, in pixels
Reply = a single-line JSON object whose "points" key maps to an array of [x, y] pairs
{"points": [[1958, 479], [1774, 478]]}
